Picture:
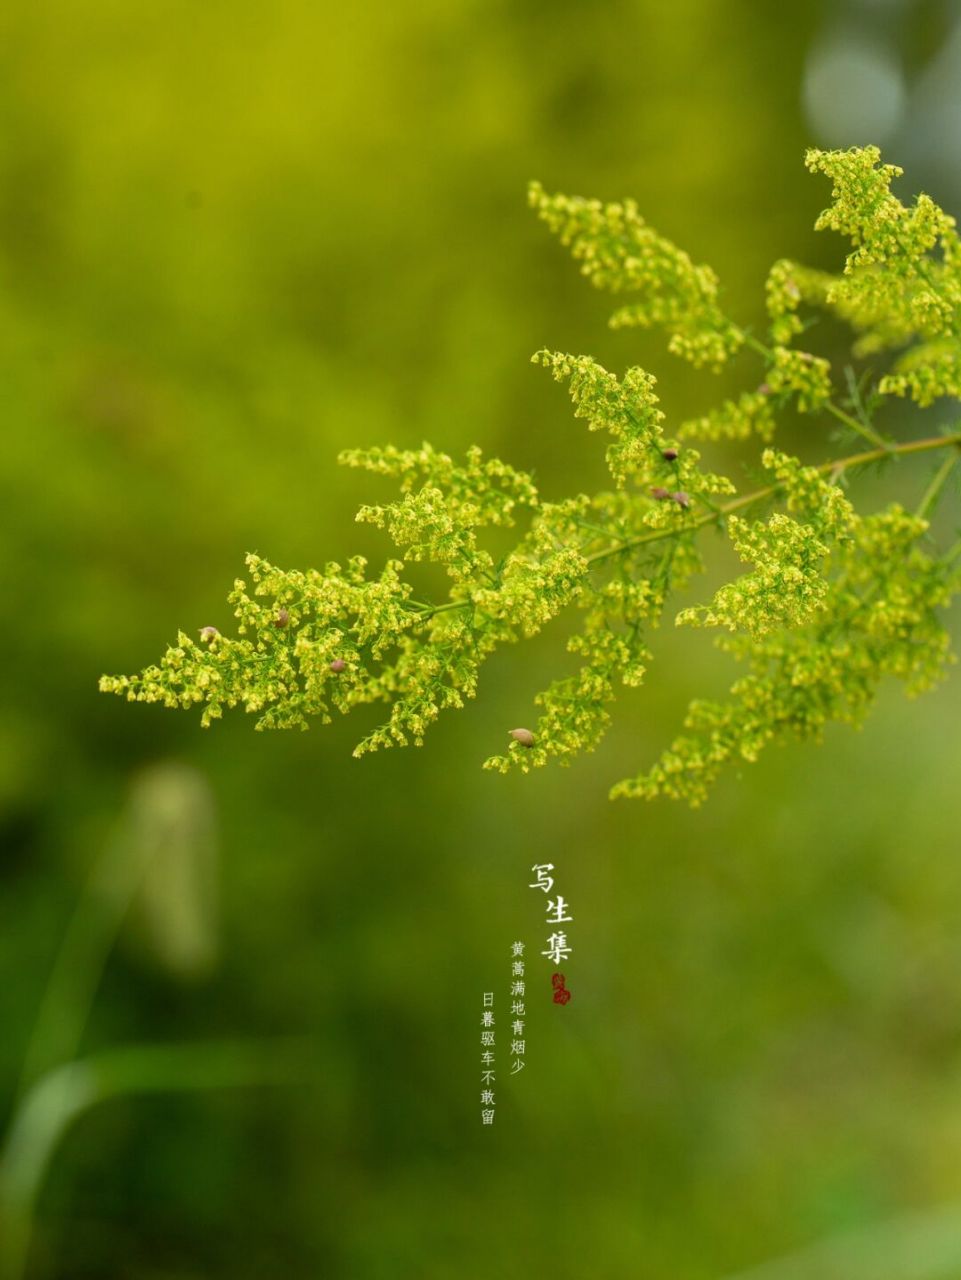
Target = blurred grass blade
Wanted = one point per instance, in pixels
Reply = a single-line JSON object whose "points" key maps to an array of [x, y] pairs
{"points": [[917, 1246], [162, 856], [51, 1106]]}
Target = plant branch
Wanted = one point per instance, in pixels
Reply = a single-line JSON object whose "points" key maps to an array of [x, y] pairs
{"points": [[758, 495], [748, 499]]}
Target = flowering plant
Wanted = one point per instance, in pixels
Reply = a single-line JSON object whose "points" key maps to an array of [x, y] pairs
{"points": [[832, 599]]}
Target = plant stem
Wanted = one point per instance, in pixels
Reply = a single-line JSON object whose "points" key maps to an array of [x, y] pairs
{"points": [[862, 430], [428, 610], [937, 484], [746, 500]]}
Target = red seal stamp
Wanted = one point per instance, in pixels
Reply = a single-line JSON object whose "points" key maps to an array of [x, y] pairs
{"points": [[561, 993]]}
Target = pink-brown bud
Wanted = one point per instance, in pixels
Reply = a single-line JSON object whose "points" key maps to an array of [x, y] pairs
{"points": [[338, 664], [283, 617], [209, 633], [523, 736], [660, 493], [764, 389], [682, 499]]}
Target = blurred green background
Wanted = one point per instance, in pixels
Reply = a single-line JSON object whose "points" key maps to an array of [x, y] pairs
{"points": [[235, 238]]}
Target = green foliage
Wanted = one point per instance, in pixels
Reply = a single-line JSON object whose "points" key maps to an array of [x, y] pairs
{"points": [[833, 601]]}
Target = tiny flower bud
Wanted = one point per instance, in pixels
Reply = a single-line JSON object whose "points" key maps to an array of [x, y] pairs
{"points": [[660, 493], [682, 499], [764, 389], [283, 617], [791, 289], [668, 454], [208, 633], [338, 664], [523, 736]]}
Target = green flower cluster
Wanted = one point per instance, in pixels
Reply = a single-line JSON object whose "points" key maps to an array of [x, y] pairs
{"points": [[628, 411], [878, 616], [788, 285], [901, 286], [618, 251], [443, 505], [752, 413], [832, 600], [787, 587], [312, 642]]}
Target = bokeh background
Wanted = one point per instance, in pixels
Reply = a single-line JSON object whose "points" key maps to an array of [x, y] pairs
{"points": [[235, 238]]}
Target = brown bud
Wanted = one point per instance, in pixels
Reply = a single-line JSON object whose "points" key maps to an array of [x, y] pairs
{"points": [[283, 617], [682, 499], [523, 736], [668, 454], [660, 493], [338, 664], [764, 389], [208, 633]]}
